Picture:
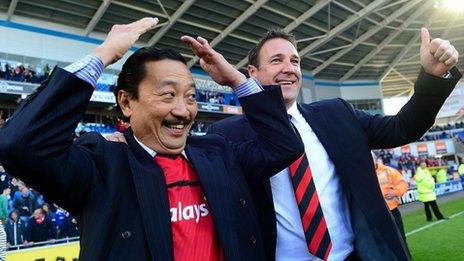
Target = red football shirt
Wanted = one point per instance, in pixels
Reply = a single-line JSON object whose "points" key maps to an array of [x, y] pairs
{"points": [[193, 234]]}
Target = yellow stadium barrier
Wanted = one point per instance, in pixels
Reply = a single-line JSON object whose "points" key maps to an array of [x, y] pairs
{"points": [[66, 252]]}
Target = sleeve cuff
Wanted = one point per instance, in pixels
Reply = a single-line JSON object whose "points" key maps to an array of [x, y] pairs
{"points": [[88, 69], [251, 86]]}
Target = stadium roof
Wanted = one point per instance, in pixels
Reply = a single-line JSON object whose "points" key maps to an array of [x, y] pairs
{"points": [[338, 39]]}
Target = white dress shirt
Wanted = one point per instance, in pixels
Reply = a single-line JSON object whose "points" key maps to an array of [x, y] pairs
{"points": [[291, 242]]}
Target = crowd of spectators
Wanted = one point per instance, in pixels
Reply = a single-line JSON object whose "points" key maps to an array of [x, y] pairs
{"points": [[216, 97], [449, 126], [408, 164], [23, 73], [447, 131], [28, 218]]}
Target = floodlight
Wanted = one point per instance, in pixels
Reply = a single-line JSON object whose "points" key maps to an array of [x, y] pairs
{"points": [[454, 5]]}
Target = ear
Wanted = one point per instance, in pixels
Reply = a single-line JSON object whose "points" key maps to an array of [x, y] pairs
{"points": [[124, 101], [252, 70]]}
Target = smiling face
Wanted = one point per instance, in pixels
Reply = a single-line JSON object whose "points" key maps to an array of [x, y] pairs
{"points": [[279, 64], [163, 113]]}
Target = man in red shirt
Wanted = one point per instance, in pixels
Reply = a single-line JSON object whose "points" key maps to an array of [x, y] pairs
{"points": [[163, 195]]}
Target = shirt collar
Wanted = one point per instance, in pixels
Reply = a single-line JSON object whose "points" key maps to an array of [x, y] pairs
{"points": [[150, 151], [293, 110]]}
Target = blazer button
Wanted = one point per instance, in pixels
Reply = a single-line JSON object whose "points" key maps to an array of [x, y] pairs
{"points": [[242, 202], [253, 239], [274, 234], [126, 234]]}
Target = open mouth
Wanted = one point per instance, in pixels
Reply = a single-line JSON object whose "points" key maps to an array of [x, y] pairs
{"points": [[285, 82], [176, 126], [176, 129]]}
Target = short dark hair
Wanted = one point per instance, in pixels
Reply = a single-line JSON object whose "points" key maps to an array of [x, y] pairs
{"points": [[133, 70], [253, 54]]}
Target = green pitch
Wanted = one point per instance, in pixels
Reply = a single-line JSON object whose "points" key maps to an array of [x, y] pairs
{"points": [[437, 240]]}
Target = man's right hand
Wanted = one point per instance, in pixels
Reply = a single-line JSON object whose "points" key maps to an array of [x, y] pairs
{"points": [[121, 38], [214, 63]]}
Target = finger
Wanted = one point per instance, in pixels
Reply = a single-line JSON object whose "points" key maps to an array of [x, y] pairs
{"points": [[144, 24], [434, 44], [448, 53], [453, 59], [203, 41], [425, 37], [190, 41], [196, 46], [442, 49]]}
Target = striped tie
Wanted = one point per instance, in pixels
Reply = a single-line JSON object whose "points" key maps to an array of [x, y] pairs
{"points": [[314, 225]]}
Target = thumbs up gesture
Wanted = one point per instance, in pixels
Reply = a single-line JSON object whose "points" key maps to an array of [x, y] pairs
{"points": [[437, 56]]}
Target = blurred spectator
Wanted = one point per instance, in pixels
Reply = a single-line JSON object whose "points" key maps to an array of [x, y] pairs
{"points": [[212, 99], [232, 101], [25, 203], [48, 212], [393, 186], [40, 228], [66, 224], [14, 183], [4, 197], [2, 242], [14, 229], [18, 73], [2, 72], [442, 175], [46, 71], [220, 98], [201, 96], [69, 228], [4, 178], [461, 170], [426, 191], [120, 125]]}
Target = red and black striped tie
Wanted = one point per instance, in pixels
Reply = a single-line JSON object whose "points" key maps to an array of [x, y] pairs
{"points": [[314, 225]]}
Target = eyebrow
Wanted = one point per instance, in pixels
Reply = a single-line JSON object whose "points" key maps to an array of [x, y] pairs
{"points": [[170, 82], [279, 55]]}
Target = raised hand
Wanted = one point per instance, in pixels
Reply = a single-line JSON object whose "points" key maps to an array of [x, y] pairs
{"points": [[214, 63], [121, 38], [437, 56], [116, 137]]}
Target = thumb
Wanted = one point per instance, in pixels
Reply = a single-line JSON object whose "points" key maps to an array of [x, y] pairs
{"points": [[425, 37]]}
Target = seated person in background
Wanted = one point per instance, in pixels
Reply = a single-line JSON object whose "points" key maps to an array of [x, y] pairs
{"points": [[39, 228]]}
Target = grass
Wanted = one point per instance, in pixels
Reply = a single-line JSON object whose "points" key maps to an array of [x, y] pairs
{"points": [[443, 241]]}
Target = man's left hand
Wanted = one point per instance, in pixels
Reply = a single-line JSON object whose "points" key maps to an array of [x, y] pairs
{"points": [[437, 56]]}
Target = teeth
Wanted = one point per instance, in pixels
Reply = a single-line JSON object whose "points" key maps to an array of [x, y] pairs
{"points": [[179, 127], [285, 82]]}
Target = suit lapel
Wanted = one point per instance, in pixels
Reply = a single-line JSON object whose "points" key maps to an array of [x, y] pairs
{"points": [[331, 144], [216, 185], [150, 186], [319, 125]]}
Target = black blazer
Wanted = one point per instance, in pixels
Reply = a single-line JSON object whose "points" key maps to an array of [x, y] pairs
{"points": [[348, 135], [118, 193]]}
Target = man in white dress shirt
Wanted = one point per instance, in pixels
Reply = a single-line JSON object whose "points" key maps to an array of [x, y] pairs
{"points": [[338, 140]]}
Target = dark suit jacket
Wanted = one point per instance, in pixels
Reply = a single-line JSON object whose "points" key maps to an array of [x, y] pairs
{"points": [[348, 135], [118, 193]]}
